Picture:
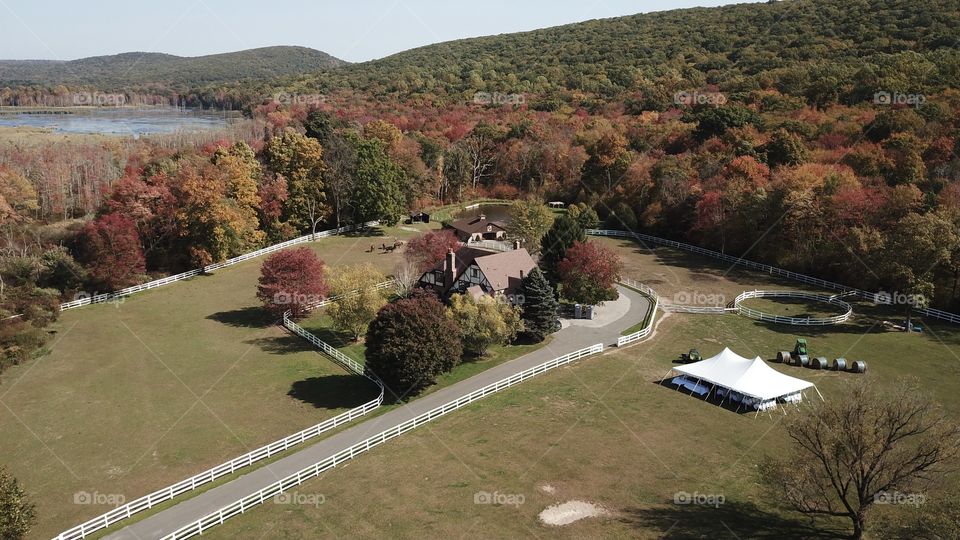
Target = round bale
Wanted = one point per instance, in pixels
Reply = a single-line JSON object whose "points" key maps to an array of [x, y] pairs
{"points": [[819, 363], [839, 364], [803, 360], [783, 357], [859, 367]]}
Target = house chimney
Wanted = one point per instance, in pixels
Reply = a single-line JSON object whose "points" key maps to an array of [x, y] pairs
{"points": [[450, 270], [516, 244]]}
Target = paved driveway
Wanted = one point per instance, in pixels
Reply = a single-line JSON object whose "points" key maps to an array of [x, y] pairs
{"points": [[566, 340]]}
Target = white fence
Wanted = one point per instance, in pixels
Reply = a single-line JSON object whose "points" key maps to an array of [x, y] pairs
{"points": [[651, 315], [149, 501], [101, 298], [796, 321], [242, 505], [493, 245], [877, 298], [680, 308]]}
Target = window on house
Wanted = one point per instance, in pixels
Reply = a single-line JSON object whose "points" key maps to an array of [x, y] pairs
{"points": [[475, 272]]}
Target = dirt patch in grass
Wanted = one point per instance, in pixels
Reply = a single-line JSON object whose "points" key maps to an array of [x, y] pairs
{"points": [[570, 512]]}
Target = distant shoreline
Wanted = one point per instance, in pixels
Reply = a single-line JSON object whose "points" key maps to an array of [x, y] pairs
{"points": [[74, 109]]}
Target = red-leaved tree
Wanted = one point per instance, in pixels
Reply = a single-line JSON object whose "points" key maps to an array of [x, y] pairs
{"points": [[110, 246], [428, 250], [292, 279], [588, 273]]}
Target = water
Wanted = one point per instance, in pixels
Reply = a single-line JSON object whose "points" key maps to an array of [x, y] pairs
{"points": [[119, 121], [494, 212]]}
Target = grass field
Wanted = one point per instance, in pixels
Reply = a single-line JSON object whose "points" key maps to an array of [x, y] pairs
{"points": [[793, 307], [136, 396], [604, 431]]}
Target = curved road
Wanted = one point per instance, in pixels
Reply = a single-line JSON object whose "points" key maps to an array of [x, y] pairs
{"points": [[570, 338]]}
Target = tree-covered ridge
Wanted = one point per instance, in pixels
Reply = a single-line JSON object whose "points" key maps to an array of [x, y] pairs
{"points": [[138, 70], [798, 46]]}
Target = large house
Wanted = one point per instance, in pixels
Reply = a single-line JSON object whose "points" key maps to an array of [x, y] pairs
{"points": [[479, 271], [477, 229]]}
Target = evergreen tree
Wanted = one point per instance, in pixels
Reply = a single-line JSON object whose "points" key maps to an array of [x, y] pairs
{"points": [[539, 306], [561, 236], [377, 193]]}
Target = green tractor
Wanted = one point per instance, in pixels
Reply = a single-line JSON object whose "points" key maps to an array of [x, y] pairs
{"points": [[692, 356], [799, 355]]}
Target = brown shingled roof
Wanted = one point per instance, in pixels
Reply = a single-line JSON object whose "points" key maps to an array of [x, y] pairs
{"points": [[476, 225], [504, 270]]}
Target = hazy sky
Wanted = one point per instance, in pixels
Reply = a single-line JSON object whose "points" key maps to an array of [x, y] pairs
{"points": [[354, 30]]}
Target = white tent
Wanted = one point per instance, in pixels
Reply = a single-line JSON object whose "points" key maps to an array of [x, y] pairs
{"points": [[753, 379]]}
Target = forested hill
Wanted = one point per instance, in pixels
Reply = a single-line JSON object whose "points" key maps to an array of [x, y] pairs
{"points": [[135, 69], [819, 47]]}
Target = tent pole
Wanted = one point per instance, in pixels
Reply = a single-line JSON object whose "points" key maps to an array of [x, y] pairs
{"points": [[819, 394]]}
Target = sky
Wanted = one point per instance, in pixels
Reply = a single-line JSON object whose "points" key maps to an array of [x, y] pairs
{"points": [[353, 30]]}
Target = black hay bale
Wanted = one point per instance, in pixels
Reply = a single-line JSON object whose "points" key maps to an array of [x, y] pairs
{"points": [[818, 363], [803, 360], [859, 367], [783, 357], [839, 364]]}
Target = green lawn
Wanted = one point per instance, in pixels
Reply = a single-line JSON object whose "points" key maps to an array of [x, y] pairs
{"points": [[136, 396], [605, 431], [602, 431]]}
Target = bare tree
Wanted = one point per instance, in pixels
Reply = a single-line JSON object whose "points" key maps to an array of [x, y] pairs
{"points": [[856, 451], [406, 275], [316, 211], [480, 148]]}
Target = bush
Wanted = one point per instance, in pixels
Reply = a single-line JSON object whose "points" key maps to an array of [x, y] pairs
{"points": [[410, 343], [484, 321]]}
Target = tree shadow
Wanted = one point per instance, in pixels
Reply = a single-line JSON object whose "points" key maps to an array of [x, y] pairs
{"points": [[334, 391], [285, 344], [364, 233], [734, 520], [248, 317]]}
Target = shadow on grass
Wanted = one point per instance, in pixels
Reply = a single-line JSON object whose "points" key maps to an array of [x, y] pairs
{"points": [[334, 391], [733, 520], [286, 344], [365, 233], [248, 317]]}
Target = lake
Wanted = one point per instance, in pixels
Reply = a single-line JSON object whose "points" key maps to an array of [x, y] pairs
{"points": [[493, 212], [118, 121]]}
